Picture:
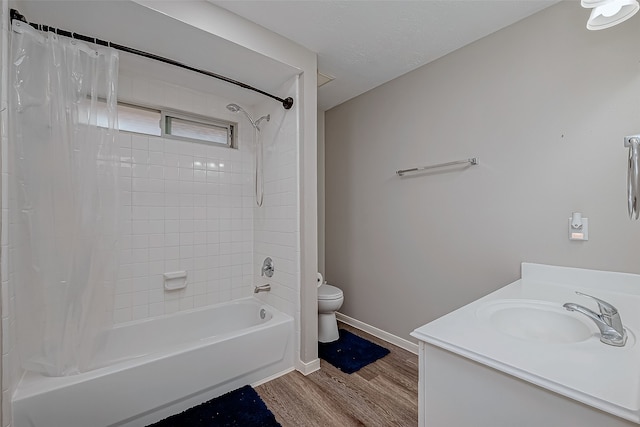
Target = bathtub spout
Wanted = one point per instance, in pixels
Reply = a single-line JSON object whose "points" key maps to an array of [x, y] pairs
{"points": [[262, 288]]}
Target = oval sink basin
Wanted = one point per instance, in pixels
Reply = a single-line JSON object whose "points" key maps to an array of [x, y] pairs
{"points": [[536, 321]]}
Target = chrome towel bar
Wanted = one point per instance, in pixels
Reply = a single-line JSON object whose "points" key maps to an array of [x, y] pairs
{"points": [[472, 161], [633, 175]]}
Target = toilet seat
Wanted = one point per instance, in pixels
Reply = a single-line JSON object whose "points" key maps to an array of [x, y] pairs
{"points": [[328, 292]]}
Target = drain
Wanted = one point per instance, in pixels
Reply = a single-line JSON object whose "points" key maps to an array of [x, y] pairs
{"points": [[263, 313]]}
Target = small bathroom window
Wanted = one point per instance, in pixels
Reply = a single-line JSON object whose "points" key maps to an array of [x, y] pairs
{"points": [[171, 124], [133, 118], [197, 129]]}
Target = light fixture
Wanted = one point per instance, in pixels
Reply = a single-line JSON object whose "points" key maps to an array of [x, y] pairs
{"points": [[607, 13], [590, 4]]}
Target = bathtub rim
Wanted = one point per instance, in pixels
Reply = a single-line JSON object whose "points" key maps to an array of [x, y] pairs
{"points": [[33, 384]]}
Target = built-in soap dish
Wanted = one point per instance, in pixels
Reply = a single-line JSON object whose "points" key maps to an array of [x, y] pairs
{"points": [[175, 280]]}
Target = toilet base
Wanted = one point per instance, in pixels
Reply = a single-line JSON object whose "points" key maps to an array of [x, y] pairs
{"points": [[327, 327]]}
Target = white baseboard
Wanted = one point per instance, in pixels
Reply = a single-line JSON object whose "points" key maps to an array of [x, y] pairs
{"points": [[309, 367], [303, 368], [379, 333], [272, 377]]}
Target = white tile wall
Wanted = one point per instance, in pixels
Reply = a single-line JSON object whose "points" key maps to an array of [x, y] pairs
{"points": [[277, 231], [186, 206], [239, 235]]}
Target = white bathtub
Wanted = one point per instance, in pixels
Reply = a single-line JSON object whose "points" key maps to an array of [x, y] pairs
{"points": [[153, 368]]}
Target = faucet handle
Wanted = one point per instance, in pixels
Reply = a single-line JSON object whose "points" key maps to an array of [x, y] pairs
{"points": [[267, 267], [605, 308]]}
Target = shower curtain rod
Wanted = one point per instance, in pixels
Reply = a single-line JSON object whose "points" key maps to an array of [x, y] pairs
{"points": [[287, 103]]}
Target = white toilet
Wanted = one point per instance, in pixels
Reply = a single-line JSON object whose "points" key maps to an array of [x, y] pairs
{"points": [[330, 300]]}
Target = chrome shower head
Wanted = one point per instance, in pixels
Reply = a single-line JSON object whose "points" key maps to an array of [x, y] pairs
{"points": [[235, 108]]}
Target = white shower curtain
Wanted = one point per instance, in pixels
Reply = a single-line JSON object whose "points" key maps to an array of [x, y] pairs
{"points": [[63, 174]]}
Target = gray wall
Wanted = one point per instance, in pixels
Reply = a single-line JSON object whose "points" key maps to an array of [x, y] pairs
{"points": [[544, 104]]}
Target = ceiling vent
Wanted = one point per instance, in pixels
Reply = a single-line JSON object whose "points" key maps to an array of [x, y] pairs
{"points": [[323, 79]]}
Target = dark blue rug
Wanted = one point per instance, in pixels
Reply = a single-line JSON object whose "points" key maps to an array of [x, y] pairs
{"points": [[350, 352], [239, 408]]}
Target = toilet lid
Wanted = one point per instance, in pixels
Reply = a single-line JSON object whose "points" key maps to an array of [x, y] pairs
{"points": [[329, 292]]}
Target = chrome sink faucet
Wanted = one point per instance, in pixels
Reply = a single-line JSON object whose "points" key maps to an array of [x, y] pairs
{"points": [[608, 321]]}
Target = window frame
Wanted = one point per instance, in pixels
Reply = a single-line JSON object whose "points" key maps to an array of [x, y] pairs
{"points": [[164, 113], [231, 127]]}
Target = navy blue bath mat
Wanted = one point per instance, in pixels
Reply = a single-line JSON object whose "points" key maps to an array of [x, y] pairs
{"points": [[238, 408], [350, 353]]}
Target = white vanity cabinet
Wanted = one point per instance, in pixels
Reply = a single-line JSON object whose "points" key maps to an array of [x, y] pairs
{"points": [[515, 368], [455, 391]]}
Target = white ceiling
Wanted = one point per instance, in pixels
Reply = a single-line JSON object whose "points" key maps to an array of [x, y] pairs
{"points": [[364, 44]]}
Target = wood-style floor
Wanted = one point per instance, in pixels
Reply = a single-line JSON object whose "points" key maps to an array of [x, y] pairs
{"points": [[384, 393]]}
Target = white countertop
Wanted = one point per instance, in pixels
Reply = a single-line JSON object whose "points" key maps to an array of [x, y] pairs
{"points": [[588, 371]]}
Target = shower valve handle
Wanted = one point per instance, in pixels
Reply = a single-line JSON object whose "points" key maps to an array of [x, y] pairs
{"points": [[267, 267]]}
